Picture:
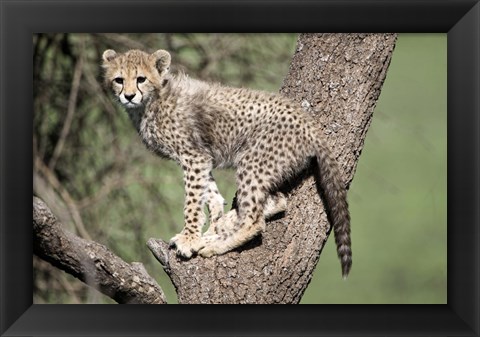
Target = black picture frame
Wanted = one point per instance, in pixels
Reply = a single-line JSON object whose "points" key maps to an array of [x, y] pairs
{"points": [[20, 19]]}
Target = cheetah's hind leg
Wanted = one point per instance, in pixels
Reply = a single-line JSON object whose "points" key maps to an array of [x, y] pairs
{"points": [[215, 204], [276, 203], [226, 227]]}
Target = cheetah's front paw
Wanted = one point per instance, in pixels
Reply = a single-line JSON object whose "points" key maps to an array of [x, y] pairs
{"points": [[186, 245]]}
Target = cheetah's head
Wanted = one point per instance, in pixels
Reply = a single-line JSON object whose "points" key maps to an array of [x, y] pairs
{"points": [[135, 75]]}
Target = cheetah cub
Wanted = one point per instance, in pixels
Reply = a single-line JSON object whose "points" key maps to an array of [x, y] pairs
{"points": [[265, 136]]}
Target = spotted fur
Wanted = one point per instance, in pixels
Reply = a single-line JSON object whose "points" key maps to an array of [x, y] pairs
{"points": [[202, 126]]}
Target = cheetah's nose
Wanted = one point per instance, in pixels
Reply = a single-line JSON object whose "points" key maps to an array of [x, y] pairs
{"points": [[129, 97]]}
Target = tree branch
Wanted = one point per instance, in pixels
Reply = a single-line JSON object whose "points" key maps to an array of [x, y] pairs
{"points": [[91, 262]]}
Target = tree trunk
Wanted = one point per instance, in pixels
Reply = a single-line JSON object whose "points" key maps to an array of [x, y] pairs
{"points": [[337, 78]]}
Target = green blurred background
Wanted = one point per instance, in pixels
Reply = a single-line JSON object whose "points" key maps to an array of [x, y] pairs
{"points": [[102, 181]]}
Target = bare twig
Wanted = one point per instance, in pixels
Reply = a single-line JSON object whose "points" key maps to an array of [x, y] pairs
{"points": [[112, 183], [121, 39], [72, 102], [50, 177]]}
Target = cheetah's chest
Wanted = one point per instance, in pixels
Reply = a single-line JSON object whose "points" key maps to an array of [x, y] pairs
{"points": [[154, 138]]}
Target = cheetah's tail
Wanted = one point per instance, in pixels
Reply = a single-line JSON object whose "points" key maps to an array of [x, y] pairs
{"points": [[335, 195]]}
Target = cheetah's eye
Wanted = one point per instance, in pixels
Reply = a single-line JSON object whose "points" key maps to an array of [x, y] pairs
{"points": [[118, 80], [141, 79]]}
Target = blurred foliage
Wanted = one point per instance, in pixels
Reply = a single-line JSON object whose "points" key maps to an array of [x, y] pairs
{"points": [[93, 171]]}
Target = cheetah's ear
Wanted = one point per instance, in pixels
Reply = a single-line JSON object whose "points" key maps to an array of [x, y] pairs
{"points": [[162, 61], [109, 55]]}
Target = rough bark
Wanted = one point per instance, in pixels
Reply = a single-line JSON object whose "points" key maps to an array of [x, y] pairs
{"points": [[337, 78], [91, 262]]}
